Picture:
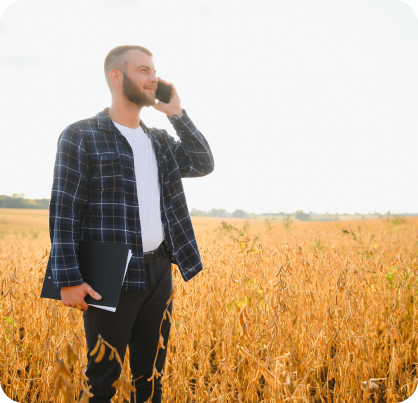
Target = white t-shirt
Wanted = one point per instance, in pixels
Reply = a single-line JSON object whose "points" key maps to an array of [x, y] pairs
{"points": [[148, 189]]}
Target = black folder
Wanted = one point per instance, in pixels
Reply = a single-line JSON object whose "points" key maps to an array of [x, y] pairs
{"points": [[102, 265]]}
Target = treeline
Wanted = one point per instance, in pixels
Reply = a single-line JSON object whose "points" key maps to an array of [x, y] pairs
{"points": [[298, 215], [19, 201]]}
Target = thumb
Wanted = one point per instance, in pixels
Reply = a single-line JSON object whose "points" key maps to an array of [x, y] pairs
{"points": [[93, 293]]}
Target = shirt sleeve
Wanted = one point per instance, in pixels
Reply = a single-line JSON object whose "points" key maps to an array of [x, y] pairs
{"points": [[69, 197], [193, 154]]}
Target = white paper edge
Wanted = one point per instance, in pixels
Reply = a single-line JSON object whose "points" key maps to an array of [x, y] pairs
{"points": [[110, 308]]}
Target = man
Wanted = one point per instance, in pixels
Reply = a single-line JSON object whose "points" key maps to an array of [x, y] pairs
{"points": [[116, 180]]}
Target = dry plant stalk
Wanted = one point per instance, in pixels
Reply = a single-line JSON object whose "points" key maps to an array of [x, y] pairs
{"points": [[276, 315]]}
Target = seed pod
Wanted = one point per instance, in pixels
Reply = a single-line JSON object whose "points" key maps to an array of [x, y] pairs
{"points": [[72, 357], [14, 280], [154, 370], [85, 390], [46, 346], [112, 355], [329, 312], [59, 384], [96, 348], [257, 376], [247, 317], [8, 312], [244, 326], [161, 343], [101, 353], [62, 341], [43, 377], [3, 285]]}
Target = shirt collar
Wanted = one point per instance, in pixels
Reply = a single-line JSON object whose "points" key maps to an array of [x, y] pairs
{"points": [[106, 124]]}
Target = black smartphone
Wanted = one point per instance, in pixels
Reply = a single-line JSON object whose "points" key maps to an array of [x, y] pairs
{"points": [[163, 92]]}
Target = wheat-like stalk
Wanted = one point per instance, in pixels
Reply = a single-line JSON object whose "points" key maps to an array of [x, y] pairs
{"points": [[276, 316]]}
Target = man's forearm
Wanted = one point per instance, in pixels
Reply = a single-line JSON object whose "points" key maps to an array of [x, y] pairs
{"points": [[194, 145]]}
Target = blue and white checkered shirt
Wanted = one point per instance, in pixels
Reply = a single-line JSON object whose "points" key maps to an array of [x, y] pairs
{"points": [[94, 195]]}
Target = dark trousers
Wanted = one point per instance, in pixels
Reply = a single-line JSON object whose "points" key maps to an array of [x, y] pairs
{"points": [[136, 322]]}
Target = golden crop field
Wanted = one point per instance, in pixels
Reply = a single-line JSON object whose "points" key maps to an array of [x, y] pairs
{"points": [[303, 312]]}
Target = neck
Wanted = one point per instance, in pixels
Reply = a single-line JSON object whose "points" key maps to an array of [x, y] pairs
{"points": [[125, 113]]}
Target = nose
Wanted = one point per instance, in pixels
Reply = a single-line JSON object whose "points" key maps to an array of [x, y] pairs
{"points": [[154, 78]]}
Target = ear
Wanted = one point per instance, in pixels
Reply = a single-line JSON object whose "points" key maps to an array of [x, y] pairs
{"points": [[116, 77]]}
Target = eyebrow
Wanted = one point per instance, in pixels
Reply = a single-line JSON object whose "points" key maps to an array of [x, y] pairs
{"points": [[147, 67]]}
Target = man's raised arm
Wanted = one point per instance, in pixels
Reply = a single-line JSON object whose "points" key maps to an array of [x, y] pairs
{"points": [[192, 153]]}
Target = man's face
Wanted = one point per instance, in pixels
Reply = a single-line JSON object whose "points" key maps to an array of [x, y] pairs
{"points": [[139, 81]]}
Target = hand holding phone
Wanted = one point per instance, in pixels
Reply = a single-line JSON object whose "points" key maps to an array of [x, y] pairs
{"points": [[163, 92], [169, 101]]}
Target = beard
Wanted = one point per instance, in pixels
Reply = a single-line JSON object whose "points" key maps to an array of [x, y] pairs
{"points": [[134, 94]]}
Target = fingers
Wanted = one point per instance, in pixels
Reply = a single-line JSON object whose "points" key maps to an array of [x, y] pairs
{"points": [[73, 297], [93, 293], [166, 82], [83, 306], [159, 106], [172, 105]]}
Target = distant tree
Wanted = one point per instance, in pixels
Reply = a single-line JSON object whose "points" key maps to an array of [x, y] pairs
{"points": [[239, 213], [16, 201], [198, 213], [217, 212], [300, 215]]}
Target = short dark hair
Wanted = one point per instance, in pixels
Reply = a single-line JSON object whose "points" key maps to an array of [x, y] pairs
{"points": [[115, 59]]}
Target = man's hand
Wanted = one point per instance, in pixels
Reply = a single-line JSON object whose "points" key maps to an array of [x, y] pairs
{"points": [[173, 107], [74, 296]]}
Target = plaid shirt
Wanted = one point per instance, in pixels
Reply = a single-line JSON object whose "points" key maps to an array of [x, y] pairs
{"points": [[94, 195]]}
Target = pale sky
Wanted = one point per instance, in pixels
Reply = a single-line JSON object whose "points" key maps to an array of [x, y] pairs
{"points": [[308, 104]]}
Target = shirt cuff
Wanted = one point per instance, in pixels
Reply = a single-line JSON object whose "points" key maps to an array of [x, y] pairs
{"points": [[181, 120]]}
